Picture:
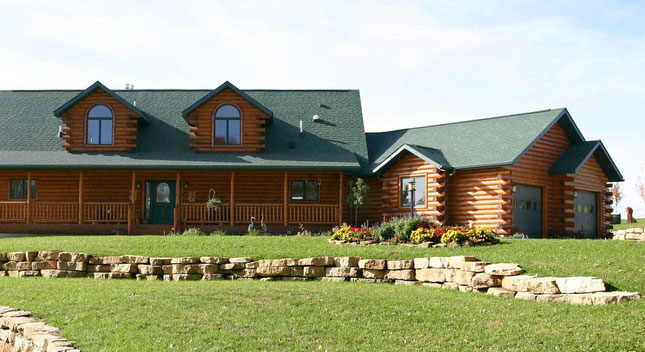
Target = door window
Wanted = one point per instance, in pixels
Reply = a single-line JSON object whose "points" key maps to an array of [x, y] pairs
{"points": [[163, 193]]}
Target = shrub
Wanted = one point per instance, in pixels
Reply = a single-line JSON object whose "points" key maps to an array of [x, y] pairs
{"points": [[351, 234], [454, 235], [405, 226], [384, 232], [193, 231], [256, 232]]}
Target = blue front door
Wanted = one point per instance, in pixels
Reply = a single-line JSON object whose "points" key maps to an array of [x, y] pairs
{"points": [[161, 201]]}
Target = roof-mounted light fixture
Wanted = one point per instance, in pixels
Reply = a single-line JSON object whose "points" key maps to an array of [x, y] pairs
{"points": [[315, 118]]}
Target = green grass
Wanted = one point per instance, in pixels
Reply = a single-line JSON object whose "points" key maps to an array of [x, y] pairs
{"points": [[624, 225], [620, 263], [126, 315]]}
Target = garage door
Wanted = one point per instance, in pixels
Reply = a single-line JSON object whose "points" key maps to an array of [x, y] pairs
{"points": [[527, 210], [586, 214]]}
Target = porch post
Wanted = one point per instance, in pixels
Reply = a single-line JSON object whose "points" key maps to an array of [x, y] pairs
{"points": [[132, 203], [232, 210], [340, 200], [285, 207], [80, 197], [29, 197], [177, 201]]}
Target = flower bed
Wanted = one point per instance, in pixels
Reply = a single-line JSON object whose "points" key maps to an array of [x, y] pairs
{"points": [[414, 231]]}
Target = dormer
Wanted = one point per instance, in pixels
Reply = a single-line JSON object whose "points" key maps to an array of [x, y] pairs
{"points": [[98, 120], [227, 120]]}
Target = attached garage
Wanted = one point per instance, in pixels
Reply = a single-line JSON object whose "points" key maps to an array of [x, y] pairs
{"points": [[527, 210], [585, 209]]}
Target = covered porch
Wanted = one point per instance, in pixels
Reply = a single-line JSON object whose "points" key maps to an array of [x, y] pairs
{"points": [[154, 201]]}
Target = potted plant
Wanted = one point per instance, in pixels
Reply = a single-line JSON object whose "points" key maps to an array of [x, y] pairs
{"points": [[213, 204]]}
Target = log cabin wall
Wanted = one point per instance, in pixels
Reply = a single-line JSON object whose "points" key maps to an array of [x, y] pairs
{"points": [[408, 166], [533, 169], [372, 210], [591, 177], [252, 125], [480, 197], [124, 125]]}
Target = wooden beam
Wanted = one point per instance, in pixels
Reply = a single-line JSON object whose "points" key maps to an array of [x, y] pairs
{"points": [[340, 199], [232, 210], [132, 198], [80, 197], [285, 207], [177, 201], [29, 197]]}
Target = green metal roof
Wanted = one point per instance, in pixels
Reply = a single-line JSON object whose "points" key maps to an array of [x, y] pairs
{"points": [[217, 90], [28, 132], [475, 144], [575, 157], [98, 85]]}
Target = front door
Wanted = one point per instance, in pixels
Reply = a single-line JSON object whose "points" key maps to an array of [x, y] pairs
{"points": [[585, 214], [160, 199], [527, 210]]}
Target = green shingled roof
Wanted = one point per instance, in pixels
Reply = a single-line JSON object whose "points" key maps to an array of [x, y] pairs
{"points": [[483, 143], [28, 132], [575, 157]]}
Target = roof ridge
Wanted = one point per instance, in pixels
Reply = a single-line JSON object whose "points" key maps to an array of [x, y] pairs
{"points": [[466, 121], [180, 90]]}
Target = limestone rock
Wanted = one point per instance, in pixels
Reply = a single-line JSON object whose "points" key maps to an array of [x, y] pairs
{"points": [[543, 285], [75, 266], [99, 275], [619, 237], [124, 268], [28, 273], [516, 283], [160, 261], [54, 273], [134, 259], [9, 266], [185, 260], [233, 266], [44, 265], [483, 280], [552, 298], [12, 323], [278, 262], [455, 262], [213, 260], [240, 260], [432, 284], [16, 256], [183, 277], [251, 265], [346, 261], [273, 271], [297, 271], [372, 264], [421, 263], [30, 256], [104, 260], [207, 268], [580, 284], [500, 292], [244, 273], [182, 269], [407, 282], [431, 275], [526, 296], [342, 272], [476, 267], [120, 275], [145, 277], [317, 261], [503, 269], [464, 278], [373, 274], [313, 271], [3, 257], [400, 264], [600, 298], [450, 286], [95, 268], [407, 274], [331, 279], [464, 288], [439, 262], [146, 269], [209, 277], [72, 257]]}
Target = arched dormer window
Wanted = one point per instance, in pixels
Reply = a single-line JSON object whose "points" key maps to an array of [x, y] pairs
{"points": [[100, 120], [227, 125]]}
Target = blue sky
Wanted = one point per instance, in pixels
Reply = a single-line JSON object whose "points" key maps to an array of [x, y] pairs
{"points": [[415, 63]]}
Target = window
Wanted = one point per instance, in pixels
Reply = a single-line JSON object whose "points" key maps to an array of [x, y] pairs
{"points": [[228, 125], [419, 193], [304, 190], [99, 125], [163, 193], [18, 189]]}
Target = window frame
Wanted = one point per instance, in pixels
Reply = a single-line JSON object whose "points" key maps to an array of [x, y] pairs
{"points": [[304, 190], [227, 120], [34, 189], [99, 119], [425, 187]]}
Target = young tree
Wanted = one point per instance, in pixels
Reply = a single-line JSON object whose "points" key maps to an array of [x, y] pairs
{"points": [[616, 194], [357, 196]]}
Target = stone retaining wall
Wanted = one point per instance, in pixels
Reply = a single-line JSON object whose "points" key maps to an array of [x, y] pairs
{"points": [[21, 332], [633, 234], [462, 273]]}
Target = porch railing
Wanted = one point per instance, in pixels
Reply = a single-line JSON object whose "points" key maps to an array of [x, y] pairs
{"points": [[273, 213], [196, 213], [114, 213], [15, 211], [313, 214], [52, 212]]}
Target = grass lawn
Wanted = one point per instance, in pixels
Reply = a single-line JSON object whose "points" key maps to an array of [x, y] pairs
{"points": [[128, 315], [624, 225]]}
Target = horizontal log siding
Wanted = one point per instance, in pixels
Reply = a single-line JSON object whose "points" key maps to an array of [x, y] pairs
{"points": [[253, 120], [372, 210], [533, 169], [591, 177], [411, 165], [124, 124], [478, 196]]}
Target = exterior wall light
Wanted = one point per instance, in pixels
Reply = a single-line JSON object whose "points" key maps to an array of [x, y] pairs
{"points": [[514, 188]]}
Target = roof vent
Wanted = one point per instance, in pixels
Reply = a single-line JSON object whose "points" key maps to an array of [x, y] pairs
{"points": [[315, 118], [129, 86]]}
